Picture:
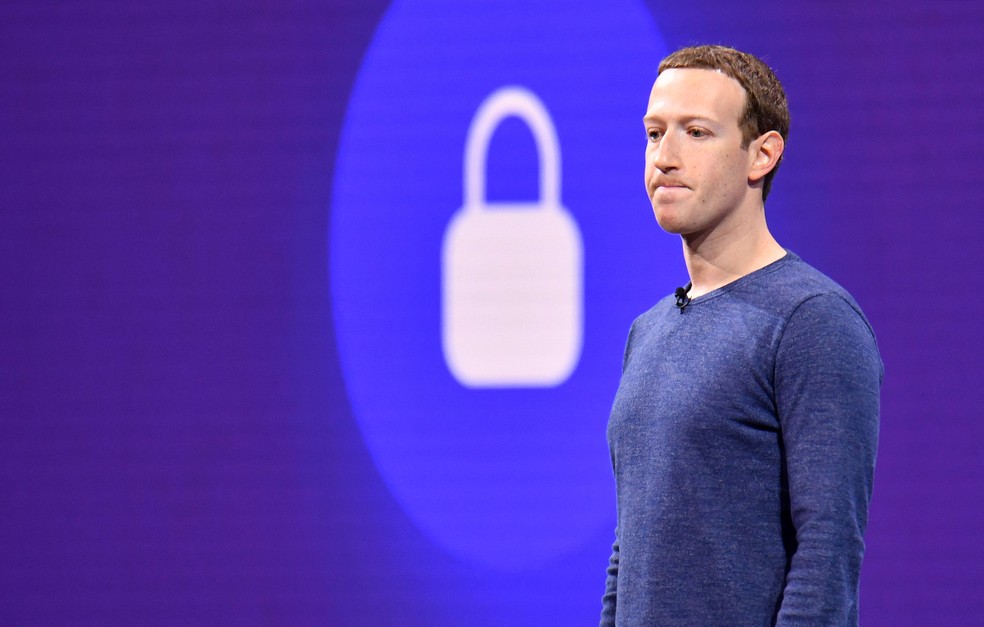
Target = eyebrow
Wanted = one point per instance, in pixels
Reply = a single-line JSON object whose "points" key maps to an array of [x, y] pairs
{"points": [[646, 119]]}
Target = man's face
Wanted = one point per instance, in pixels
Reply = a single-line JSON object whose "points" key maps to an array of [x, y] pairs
{"points": [[696, 170]]}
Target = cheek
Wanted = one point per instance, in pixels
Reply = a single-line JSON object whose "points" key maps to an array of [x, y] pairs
{"points": [[648, 166], [728, 175], [716, 185]]}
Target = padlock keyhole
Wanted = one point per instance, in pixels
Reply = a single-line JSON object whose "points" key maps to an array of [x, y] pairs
{"points": [[512, 164]]}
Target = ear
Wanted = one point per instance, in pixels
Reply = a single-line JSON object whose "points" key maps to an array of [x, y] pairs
{"points": [[766, 152]]}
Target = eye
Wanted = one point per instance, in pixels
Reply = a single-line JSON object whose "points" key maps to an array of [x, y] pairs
{"points": [[654, 134], [697, 133]]}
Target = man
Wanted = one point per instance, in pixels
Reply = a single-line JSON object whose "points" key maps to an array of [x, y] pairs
{"points": [[744, 429]]}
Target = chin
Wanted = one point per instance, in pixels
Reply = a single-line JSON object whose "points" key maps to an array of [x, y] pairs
{"points": [[668, 222]]}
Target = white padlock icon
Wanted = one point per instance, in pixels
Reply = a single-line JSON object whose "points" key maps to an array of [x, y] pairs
{"points": [[512, 272]]}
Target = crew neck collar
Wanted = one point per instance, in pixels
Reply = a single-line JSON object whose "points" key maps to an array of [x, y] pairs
{"points": [[790, 256]]}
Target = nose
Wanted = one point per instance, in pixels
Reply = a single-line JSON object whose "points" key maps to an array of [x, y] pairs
{"points": [[664, 154]]}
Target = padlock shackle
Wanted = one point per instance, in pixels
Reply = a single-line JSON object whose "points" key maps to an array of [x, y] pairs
{"points": [[524, 104]]}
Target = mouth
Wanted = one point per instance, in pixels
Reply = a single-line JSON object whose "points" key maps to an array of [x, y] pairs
{"points": [[665, 187], [663, 183]]}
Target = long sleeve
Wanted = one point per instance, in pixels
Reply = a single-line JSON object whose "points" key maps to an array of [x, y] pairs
{"points": [[611, 585], [610, 598], [828, 376]]}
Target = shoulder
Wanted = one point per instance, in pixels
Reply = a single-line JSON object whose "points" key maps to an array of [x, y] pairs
{"points": [[808, 296], [824, 327], [654, 315], [648, 323]]}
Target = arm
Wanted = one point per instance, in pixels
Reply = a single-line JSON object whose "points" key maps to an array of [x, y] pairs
{"points": [[609, 599], [611, 584], [828, 376]]}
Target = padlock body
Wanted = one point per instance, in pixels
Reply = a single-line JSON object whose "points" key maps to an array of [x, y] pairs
{"points": [[512, 295]]}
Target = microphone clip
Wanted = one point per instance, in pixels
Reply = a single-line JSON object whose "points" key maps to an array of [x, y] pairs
{"points": [[682, 300]]}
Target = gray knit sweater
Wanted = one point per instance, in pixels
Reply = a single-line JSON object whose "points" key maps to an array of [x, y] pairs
{"points": [[743, 439]]}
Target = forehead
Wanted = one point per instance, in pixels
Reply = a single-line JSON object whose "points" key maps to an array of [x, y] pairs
{"points": [[696, 93]]}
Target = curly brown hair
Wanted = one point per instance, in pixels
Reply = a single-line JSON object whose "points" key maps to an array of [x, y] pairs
{"points": [[766, 108]]}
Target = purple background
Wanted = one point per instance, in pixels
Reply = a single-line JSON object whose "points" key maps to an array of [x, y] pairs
{"points": [[176, 444]]}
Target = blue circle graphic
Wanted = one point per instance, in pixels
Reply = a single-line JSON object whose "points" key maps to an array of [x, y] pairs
{"points": [[508, 477]]}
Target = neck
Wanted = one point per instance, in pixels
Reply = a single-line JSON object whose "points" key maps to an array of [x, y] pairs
{"points": [[729, 252]]}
